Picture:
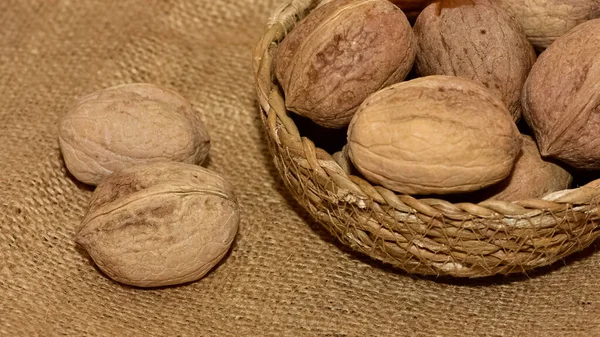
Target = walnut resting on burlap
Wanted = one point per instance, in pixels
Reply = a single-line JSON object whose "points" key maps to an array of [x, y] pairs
{"points": [[130, 124], [160, 224]]}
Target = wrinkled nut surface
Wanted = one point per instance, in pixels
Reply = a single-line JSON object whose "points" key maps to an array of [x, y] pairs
{"points": [[160, 224], [339, 54], [411, 8], [434, 135], [342, 158], [546, 20], [478, 40], [532, 176], [561, 98], [130, 124]]}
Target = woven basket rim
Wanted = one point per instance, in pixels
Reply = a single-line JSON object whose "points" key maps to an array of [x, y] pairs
{"points": [[572, 204]]}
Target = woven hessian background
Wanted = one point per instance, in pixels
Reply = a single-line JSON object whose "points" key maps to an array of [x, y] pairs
{"points": [[285, 276]]}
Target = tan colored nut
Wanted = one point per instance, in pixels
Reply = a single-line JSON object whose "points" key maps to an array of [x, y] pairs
{"points": [[546, 20], [160, 224], [561, 98], [130, 124], [532, 176], [343, 159], [434, 135], [411, 8], [339, 54], [478, 40]]}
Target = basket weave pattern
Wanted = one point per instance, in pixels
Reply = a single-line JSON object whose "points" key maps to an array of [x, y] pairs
{"points": [[423, 236]]}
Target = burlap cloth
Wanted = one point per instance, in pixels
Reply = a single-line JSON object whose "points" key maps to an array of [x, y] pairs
{"points": [[285, 275]]}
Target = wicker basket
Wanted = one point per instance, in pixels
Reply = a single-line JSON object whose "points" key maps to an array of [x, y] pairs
{"points": [[424, 236]]}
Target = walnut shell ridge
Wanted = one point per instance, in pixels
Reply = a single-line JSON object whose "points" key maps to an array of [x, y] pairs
{"points": [[478, 40], [130, 124], [434, 135], [339, 54], [561, 98], [160, 224]]}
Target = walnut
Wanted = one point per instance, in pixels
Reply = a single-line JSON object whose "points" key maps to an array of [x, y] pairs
{"points": [[532, 176], [411, 8], [434, 135], [561, 98], [478, 40], [130, 124], [160, 224], [339, 54], [546, 20]]}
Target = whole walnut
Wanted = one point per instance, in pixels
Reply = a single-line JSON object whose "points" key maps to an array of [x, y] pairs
{"points": [[478, 40], [546, 20], [561, 98], [339, 54], [434, 135], [130, 124], [160, 224], [532, 176]]}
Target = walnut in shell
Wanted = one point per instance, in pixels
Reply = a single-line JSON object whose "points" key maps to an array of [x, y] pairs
{"points": [[411, 8], [532, 177], [478, 40], [160, 224], [130, 124], [545, 20], [434, 135], [339, 54], [561, 98]]}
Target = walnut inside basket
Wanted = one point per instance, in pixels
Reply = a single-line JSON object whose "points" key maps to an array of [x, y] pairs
{"points": [[427, 236]]}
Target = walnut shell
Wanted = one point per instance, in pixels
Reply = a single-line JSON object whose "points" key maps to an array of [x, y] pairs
{"points": [[434, 135], [130, 124], [545, 20], [532, 176], [160, 224], [561, 98], [339, 54], [478, 40], [411, 8]]}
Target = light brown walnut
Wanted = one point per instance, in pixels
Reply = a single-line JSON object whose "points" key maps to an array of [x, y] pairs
{"points": [[532, 177], [160, 224], [130, 124], [561, 98], [339, 54], [546, 20], [434, 135]]}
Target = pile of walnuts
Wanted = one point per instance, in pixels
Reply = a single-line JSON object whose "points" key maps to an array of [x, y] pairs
{"points": [[440, 102], [156, 218]]}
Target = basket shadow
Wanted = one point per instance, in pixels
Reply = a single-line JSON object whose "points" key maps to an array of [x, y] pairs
{"points": [[330, 239]]}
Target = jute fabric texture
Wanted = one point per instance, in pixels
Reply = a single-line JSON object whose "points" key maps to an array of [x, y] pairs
{"points": [[285, 275]]}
